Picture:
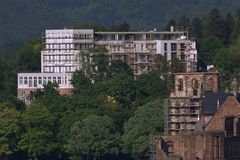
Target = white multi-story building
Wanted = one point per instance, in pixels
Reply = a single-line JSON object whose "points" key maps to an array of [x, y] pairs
{"points": [[61, 50]]}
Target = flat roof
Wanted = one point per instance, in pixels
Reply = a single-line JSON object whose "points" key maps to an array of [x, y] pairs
{"points": [[142, 32], [194, 73]]}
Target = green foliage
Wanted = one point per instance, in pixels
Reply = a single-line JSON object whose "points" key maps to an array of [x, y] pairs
{"points": [[96, 27], [27, 58], [80, 83], [10, 130], [118, 67], [68, 120], [121, 27], [38, 137], [147, 121], [177, 66], [122, 88], [150, 86], [141, 15], [95, 63], [92, 138]]}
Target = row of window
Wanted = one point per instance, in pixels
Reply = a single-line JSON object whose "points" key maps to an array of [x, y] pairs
{"points": [[59, 46], [62, 46], [178, 125], [76, 36], [140, 37], [65, 58], [186, 110], [59, 69], [174, 46], [35, 81]]}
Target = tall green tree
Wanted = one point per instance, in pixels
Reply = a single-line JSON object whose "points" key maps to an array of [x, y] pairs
{"points": [[214, 23], [28, 57], [149, 87], [9, 132], [93, 138], [95, 63], [121, 27], [147, 121], [196, 28], [123, 89], [228, 26], [38, 138], [183, 23], [81, 83]]}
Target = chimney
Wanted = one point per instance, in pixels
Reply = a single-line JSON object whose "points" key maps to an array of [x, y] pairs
{"points": [[234, 87], [226, 90], [171, 28]]}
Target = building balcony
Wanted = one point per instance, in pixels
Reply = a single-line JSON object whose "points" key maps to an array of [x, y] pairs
{"points": [[191, 119], [194, 104]]}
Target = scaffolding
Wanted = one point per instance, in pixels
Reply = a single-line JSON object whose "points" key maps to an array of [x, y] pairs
{"points": [[166, 115], [152, 148], [140, 61]]}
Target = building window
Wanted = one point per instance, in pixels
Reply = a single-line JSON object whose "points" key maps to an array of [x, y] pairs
{"points": [[20, 80], [30, 82], [170, 147], [173, 46], [209, 84], [49, 79], [59, 80], [229, 126], [183, 46], [165, 46], [39, 80], [141, 47], [177, 111], [195, 86], [25, 80], [44, 80], [180, 84], [178, 125], [192, 110], [35, 82], [54, 79]]}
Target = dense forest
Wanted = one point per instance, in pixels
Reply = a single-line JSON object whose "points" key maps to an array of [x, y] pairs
{"points": [[24, 19], [114, 117]]}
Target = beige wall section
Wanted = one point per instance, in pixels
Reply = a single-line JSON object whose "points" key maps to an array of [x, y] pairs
{"points": [[201, 81], [191, 146]]}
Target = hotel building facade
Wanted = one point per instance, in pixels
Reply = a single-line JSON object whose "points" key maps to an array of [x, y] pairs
{"points": [[60, 55]]}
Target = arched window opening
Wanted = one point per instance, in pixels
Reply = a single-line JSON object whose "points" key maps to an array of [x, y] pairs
{"points": [[209, 84], [195, 84], [180, 84], [170, 147]]}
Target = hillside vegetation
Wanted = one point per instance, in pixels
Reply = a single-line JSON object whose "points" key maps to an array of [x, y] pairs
{"points": [[24, 19]]}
